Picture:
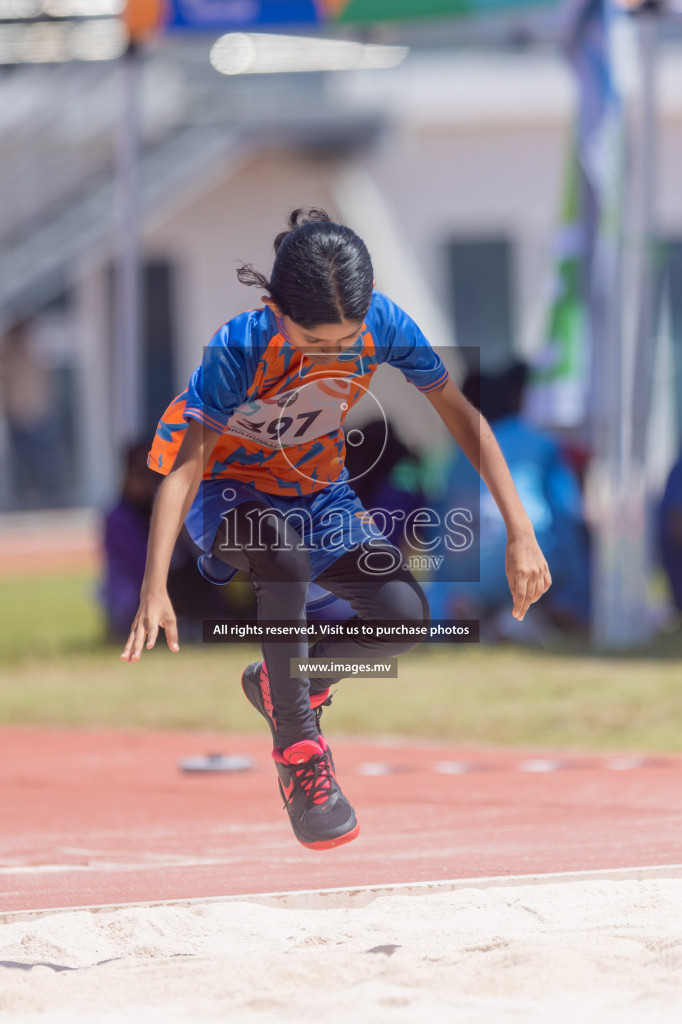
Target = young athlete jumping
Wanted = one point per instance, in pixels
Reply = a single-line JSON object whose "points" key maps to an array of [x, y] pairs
{"points": [[253, 457]]}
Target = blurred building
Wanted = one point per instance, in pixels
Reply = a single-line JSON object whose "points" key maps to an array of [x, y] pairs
{"points": [[450, 164]]}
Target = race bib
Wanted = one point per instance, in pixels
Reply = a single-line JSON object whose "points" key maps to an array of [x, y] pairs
{"points": [[293, 417]]}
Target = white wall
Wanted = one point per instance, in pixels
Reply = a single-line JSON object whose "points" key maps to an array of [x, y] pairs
{"points": [[471, 183]]}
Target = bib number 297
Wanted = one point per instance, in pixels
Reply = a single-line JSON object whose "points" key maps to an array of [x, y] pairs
{"points": [[281, 429], [295, 417]]}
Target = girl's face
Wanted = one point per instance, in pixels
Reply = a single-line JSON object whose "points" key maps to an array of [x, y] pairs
{"points": [[322, 344]]}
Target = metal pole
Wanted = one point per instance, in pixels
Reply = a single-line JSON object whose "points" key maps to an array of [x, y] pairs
{"points": [[647, 35], [128, 366], [621, 615]]}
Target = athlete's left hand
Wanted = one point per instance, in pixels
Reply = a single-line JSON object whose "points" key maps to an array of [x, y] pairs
{"points": [[527, 572]]}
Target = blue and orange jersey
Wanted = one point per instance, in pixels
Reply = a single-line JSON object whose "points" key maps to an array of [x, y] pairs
{"points": [[279, 415]]}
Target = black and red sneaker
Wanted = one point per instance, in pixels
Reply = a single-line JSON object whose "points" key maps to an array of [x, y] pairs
{"points": [[256, 687], [319, 813]]}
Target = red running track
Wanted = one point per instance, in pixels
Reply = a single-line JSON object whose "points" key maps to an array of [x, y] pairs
{"points": [[95, 818]]}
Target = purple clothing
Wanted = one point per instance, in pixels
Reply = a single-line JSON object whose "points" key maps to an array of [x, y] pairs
{"points": [[669, 540], [126, 530]]}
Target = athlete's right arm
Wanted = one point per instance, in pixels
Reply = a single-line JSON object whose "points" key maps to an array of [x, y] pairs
{"points": [[173, 501]]}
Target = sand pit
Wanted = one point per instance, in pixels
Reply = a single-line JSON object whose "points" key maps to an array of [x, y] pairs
{"points": [[594, 950]]}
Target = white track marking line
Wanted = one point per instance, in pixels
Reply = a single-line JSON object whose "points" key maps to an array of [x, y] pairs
{"points": [[110, 866], [356, 896]]}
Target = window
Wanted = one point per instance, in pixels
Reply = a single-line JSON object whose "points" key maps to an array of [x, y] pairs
{"points": [[480, 276]]}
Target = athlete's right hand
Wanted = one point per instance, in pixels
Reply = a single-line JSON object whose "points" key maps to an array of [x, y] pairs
{"points": [[155, 611]]}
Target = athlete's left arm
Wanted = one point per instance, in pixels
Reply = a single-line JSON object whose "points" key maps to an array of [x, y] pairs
{"points": [[525, 565]]}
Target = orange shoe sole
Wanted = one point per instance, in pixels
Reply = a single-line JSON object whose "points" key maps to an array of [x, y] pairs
{"points": [[328, 844]]}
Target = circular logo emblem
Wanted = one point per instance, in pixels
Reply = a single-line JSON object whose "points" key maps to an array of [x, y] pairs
{"points": [[339, 388]]}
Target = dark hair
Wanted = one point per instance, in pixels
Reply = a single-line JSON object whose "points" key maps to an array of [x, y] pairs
{"points": [[497, 395], [322, 272], [515, 379], [485, 391]]}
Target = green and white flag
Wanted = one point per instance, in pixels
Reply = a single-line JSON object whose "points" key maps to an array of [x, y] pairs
{"points": [[558, 383]]}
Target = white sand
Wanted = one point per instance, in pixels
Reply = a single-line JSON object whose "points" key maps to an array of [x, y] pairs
{"points": [[580, 951]]}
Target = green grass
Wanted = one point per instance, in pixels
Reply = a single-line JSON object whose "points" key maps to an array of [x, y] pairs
{"points": [[48, 615], [59, 671]]}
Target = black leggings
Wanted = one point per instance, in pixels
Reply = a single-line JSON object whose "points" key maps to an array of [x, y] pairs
{"points": [[279, 566]]}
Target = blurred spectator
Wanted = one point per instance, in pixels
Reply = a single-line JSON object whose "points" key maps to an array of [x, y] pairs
{"points": [[670, 532], [126, 531], [36, 478], [550, 492]]}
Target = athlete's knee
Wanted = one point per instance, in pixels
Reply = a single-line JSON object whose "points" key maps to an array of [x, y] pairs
{"points": [[284, 565], [402, 600]]}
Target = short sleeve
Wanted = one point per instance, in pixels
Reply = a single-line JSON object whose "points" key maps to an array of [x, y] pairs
{"points": [[219, 385], [401, 343]]}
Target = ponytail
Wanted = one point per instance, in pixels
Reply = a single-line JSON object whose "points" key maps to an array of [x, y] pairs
{"points": [[322, 271]]}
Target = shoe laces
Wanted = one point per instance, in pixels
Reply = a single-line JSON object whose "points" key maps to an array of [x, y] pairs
{"points": [[325, 704], [315, 777]]}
